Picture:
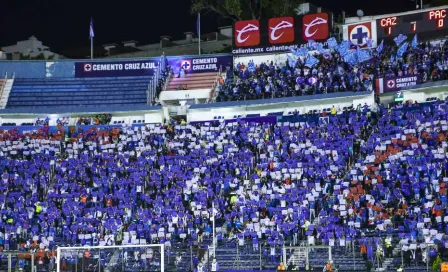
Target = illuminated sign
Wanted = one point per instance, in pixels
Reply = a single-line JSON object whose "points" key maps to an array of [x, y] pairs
{"points": [[429, 22], [438, 15]]}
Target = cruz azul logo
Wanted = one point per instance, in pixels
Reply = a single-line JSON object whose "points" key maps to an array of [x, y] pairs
{"points": [[247, 33], [358, 34], [186, 64], [391, 84], [281, 30], [87, 67], [315, 26]]}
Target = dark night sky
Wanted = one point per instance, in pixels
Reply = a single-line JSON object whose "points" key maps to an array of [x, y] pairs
{"points": [[61, 24]]}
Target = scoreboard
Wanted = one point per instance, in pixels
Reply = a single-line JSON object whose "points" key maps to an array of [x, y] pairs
{"points": [[398, 96], [425, 22]]}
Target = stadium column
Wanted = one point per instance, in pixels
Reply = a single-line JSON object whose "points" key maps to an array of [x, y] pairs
{"points": [[199, 32], [214, 235]]}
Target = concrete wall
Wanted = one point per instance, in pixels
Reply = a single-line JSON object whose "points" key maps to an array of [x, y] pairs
{"points": [[23, 69], [419, 94], [189, 49], [228, 110], [303, 106]]}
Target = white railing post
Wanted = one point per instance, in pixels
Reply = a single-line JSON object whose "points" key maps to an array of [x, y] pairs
{"points": [[211, 98], [148, 93], [58, 256], [2, 90], [167, 81], [162, 257]]}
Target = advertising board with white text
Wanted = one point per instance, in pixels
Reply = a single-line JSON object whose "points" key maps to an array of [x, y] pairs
{"points": [[279, 34]]}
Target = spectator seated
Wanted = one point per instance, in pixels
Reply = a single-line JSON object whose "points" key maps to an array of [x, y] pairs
{"points": [[322, 71], [352, 182], [366, 181]]}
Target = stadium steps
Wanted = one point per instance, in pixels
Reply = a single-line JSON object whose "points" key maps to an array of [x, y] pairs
{"points": [[193, 81], [114, 260], [390, 264], [298, 258], [85, 92], [121, 96], [5, 86], [73, 106], [79, 86]]}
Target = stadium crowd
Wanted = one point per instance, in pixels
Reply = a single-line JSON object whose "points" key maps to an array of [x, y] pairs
{"points": [[363, 175], [333, 73]]}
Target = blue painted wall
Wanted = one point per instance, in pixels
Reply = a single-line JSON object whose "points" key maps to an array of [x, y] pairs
{"points": [[23, 69], [58, 68]]}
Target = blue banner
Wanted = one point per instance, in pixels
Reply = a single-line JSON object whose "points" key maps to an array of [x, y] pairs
{"points": [[250, 270], [116, 68], [396, 84], [260, 120], [199, 64]]}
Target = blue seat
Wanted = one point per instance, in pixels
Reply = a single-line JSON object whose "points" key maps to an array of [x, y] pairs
{"points": [[74, 92]]}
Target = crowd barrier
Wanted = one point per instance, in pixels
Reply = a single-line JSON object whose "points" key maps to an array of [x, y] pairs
{"points": [[54, 129], [80, 110]]}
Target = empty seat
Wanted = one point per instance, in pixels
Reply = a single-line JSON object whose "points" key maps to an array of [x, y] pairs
{"points": [[74, 92]]}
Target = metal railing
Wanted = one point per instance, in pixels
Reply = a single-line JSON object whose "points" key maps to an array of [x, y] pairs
{"points": [[263, 257], [152, 85], [167, 81], [27, 261], [211, 99], [417, 250], [3, 85]]}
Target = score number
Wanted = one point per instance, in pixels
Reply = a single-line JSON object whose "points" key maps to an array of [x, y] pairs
{"points": [[437, 15], [388, 23]]}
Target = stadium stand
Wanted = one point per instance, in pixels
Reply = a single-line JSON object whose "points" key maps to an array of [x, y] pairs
{"points": [[86, 92], [369, 182], [192, 81], [366, 181], [331, 72]]}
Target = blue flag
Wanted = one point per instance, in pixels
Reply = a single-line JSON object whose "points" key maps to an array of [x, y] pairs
{"points": [[399, 39], [251, 66], [414, 42], [351, 58], [91, 33], [332, 43], [369, 42], [291, 60], [402, 49], [362, 55], [380, 47], [312, 44], [343, 48], [319, 47], [293, 50], [311, 61], [322, 51], [392, 59], [301, 52]]}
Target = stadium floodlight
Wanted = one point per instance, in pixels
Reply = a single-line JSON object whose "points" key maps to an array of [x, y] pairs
{"points": [[360, 13]]}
